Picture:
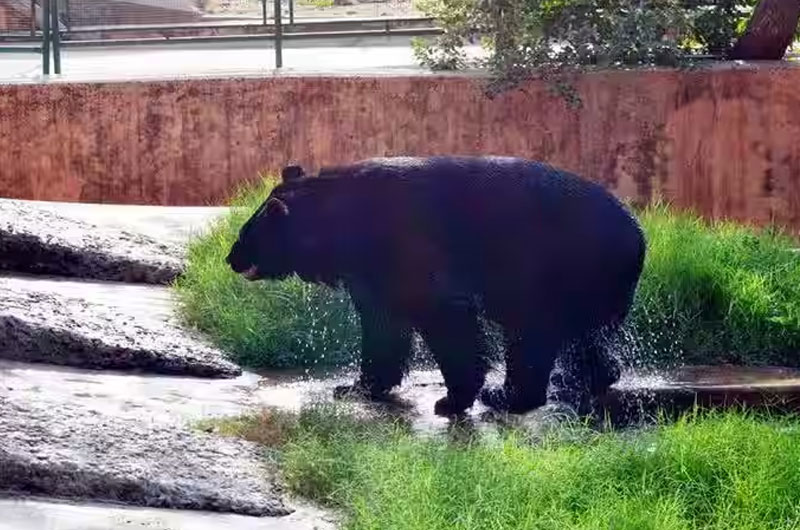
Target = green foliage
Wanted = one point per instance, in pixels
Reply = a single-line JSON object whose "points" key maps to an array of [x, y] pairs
{"points": [[457, 18], [717, 26], [552, 38], [725, 471], [710, 293]]}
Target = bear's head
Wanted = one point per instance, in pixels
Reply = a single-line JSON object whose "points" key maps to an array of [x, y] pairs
{"points": [[266, 248]]}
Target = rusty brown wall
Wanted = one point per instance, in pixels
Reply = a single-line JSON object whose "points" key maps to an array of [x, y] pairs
{"points": [[724, 141], [13, 17]]}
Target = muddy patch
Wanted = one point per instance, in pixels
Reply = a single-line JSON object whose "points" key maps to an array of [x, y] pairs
{"points": [[637, 398], [115, 437], [640, 397], [35, 238], [101, 326]]}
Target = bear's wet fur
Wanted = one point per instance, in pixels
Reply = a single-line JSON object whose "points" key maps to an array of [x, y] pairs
{"points": [[428, 244]]}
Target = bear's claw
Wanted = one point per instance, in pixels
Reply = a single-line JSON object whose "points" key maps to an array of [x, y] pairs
{"points": [[447, 407], [358, 391], [498, 398]]}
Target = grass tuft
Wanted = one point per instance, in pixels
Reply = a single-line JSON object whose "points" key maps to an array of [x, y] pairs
{"points": [[720, 470], [717, 292]]}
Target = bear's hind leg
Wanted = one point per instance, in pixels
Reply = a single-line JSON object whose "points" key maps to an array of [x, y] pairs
{"points": [[587, 369], [588, 366], [530, 357], [455, 338], [605, 367], [385, 348]]}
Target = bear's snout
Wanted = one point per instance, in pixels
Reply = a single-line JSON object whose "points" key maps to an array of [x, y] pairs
{"points": [[241, 265], [234, 259]]}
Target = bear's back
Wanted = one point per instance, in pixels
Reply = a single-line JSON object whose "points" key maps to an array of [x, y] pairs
{"points": [[495, 219], [482, 173], [486, 183], [485, 196]]}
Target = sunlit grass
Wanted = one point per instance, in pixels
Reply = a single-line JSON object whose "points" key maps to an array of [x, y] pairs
{"points": [[718, 292], [725, 471]]}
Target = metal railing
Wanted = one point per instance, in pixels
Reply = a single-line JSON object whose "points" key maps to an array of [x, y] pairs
{"points": [[52, 28], [20, 33], [38, 37]]}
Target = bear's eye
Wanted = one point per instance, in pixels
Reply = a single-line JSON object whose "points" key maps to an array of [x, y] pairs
{"points": [[276, 208]]}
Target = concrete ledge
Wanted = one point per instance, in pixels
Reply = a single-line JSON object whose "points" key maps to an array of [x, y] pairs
{"points": [[64, 433], [36, 239], [40, 513], [66, 323]]}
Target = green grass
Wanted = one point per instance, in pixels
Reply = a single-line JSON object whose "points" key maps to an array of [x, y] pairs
{"points": [[710, 293], [725, 471], [717, 292]]}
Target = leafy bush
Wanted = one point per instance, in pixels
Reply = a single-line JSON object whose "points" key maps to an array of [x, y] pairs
{"points": [[710, 293], [551, 38]]}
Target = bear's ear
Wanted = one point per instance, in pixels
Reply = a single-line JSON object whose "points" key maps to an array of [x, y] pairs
{"points": [[276, 207], [290, 173]]}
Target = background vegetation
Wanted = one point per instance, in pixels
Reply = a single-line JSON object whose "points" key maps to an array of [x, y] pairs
{"points": [[553, 39]]}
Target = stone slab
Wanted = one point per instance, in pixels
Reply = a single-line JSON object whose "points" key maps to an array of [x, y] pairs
{"points": [[101, 326], [41, 241], [47, 514], [116, 437]]}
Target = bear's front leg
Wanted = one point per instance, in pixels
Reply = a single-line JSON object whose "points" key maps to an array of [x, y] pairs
{"points": [[456, 340], [385, 347]]}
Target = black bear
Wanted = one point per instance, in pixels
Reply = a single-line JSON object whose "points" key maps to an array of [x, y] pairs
{"points": [[432, 244]]}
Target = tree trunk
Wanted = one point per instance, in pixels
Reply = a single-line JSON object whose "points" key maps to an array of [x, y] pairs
{"points": [[770, 31]]}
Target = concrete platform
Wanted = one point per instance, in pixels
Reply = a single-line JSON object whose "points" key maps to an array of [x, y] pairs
{"points": [[136, 244], [100, 243], [347, 56], [116, 437], [174, 224], [43, 514], [101, 325]]}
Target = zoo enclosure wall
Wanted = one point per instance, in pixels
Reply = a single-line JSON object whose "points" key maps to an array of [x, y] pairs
{"points": [[722, 140]]}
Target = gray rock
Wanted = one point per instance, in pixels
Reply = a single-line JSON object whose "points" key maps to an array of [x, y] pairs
{"points": [[36, 239], [37, 514], [57, 439], [166, 224], [60, 323]]}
